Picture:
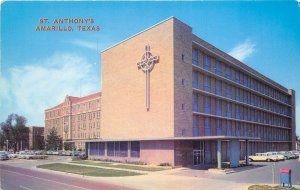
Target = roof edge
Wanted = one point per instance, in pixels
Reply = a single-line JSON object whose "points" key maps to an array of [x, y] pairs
{"points": [[138, 33]]}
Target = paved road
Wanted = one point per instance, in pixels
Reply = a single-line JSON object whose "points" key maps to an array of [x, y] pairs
{"points": [[259, 173], [21, 178]]}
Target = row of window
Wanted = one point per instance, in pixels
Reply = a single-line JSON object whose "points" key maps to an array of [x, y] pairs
{"points": [[217, 127], [84, 135], [93, 105], [91, 115], [231, 110], [236, 76], [115, 149], [83, 126], [226, 90]]}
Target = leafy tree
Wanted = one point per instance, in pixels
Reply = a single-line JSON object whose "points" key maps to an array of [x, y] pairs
{"points": [[15, 131], [68, 145], [53, 140]]}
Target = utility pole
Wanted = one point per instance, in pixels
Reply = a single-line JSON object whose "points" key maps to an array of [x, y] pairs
{"points": [[6, 145]]}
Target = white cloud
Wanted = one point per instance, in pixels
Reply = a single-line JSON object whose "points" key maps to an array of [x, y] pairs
{"points": [[243, 50], [85, 44], [32, 88]]}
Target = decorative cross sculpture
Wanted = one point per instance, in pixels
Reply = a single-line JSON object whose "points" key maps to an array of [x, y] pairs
{"points": [[146, 65]]}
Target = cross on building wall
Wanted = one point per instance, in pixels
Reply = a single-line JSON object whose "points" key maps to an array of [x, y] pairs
{"points": [[146, 65]]}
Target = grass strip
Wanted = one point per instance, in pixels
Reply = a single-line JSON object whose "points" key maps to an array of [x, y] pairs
{"points": [[88, 171], [116, 165]]}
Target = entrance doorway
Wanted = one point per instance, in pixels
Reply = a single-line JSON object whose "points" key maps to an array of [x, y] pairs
{"points": [[198, 153]]}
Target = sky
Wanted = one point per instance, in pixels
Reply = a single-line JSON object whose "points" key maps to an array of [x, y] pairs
{"points": [[39, 68]]}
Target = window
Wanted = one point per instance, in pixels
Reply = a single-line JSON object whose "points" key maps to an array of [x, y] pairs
{"points": [[182, 107], [228, 91], [207, 127], [206, 100], [245, 80], [195, 102], [252, 99], [237, 112], [117, 149], [246, 129], [207, 83], [182, 57], [228, 109], [110, 149], [245, 113], [182, 82], [245, 96], [195, 79], [195, 57], [218, 87], [237, 77], [135, 149], [218, 68], [101, 149], [124, 149], [219, 107], [219, 127], [207, 62], [237, 94], [228, 72], [228, 128], [238, 129], [195, 126], [252, 114], [251, 83]]}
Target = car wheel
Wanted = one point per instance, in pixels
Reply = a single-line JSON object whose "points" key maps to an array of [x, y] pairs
{"points": [[250, 159], [268, 160]]}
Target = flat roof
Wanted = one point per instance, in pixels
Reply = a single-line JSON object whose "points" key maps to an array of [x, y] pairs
{"points": [[168, 138]]}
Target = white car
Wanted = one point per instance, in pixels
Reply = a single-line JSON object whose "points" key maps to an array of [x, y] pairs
{"points": [[280, 156]]}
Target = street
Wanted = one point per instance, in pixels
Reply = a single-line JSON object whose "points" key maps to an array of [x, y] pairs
{"points": [[20, 178]]}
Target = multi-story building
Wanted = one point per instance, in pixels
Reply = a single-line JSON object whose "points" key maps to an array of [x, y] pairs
{"points": [[185, 102], [76, 118], [36, 138]]}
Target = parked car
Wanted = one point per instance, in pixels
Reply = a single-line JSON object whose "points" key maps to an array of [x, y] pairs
{"points": [[4, 155], [260, 157], [287, 155], [280, 156], [296, 153]]}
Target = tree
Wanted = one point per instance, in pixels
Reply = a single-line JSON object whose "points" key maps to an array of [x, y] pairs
{"points": [[15, 131], [53, 140], [68, 145]]}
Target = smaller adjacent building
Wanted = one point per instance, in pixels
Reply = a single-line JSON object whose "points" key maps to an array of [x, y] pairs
{"points": [[77, 118]]}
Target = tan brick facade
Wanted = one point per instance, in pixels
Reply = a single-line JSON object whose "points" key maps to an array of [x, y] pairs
{"points": [[202, 101], [77, 118]]}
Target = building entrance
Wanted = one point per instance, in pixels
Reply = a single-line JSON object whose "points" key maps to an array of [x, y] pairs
{"points": [[198, 153]]}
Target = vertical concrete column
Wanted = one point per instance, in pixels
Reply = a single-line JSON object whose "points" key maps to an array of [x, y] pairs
{"points": [[234, 153], [129, 148], [293, 122], [105, 149], [219, 153], [246, 152]]}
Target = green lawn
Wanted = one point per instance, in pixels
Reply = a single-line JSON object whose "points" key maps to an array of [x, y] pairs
{"points": [[117, 165], [88, 171]]}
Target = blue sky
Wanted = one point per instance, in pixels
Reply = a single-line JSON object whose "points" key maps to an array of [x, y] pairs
{"points": [[39, 68]]}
